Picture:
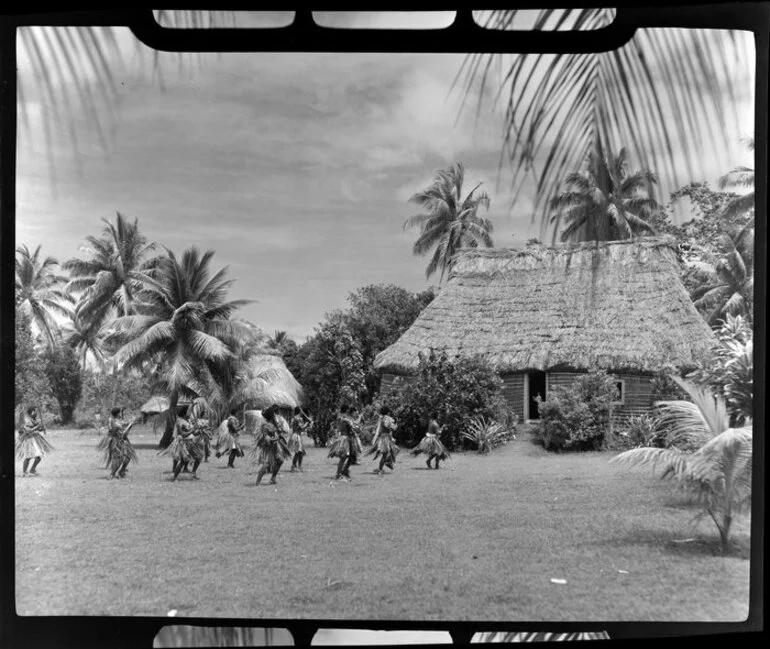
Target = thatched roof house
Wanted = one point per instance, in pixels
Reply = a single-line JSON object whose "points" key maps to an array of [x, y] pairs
{"points": [[271, 383], [540, 314]]}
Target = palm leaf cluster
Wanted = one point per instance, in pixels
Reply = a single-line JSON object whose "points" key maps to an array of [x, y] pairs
{"points": [[74, 73], [605, 202], [116, 267], [448, 221], [739, 177], [41, 291], [485, 435], [659, 94], [707, 458], [731, 291]]}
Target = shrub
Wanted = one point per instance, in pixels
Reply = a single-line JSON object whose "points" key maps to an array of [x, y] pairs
{"points": [[64, 377], [576, 417], [456, 390], [485, 435], [645, 430]]}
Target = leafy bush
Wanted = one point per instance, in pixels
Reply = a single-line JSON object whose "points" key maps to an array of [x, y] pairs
{"points": [[31, 387], [485, 435], [576, 417], [645, 430], [456, 390], [64, 377]]}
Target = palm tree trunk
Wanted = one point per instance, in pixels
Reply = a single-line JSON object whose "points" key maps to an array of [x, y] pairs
{"points": [[168, 434]]}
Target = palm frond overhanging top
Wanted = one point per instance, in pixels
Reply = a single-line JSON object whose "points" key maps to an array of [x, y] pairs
{"points": [[665, 95]]}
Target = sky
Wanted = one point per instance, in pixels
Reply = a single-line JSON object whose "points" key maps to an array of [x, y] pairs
{"points": [[295, 168]]}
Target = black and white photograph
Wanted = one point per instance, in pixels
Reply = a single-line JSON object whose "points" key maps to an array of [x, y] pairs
{"points": [[396, 336]]}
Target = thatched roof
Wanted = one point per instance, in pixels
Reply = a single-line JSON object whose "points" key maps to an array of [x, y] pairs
{"points": [[272, 384], [617, 305], [157, 405]]}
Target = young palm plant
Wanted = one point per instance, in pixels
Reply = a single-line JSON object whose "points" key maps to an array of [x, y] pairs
{"points": [[40, 291], [717, 473], [486, 435], [447, 222], [605, 202], [183, 321]]}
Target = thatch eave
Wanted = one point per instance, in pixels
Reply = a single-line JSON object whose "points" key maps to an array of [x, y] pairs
{"points": [[617, 306]]}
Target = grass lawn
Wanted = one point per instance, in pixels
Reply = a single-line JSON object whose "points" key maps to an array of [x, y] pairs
{"points": [[479, 539]]}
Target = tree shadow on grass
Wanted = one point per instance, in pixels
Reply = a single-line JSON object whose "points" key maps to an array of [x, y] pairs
{"points": [[690, 545], [146, 446]]}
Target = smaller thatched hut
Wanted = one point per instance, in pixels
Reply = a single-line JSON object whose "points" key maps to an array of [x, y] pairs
{"points": [[542, 315], [272, 384]]}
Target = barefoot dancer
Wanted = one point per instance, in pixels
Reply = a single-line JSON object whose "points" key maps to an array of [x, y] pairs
{"points": [[383, 443], [31, 444], [271, 448], [431, 444], [228, 438], [299, 425], [344, 447], [202, 425], [119, 451], [187, 446]]}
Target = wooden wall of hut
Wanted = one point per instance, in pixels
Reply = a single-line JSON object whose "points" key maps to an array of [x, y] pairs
{"points": [[637, 391]]}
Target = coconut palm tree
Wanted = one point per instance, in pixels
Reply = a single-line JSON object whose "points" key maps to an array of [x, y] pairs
{"points": [[115, 270], [183, 318], [660, 93], [40, 290], [732, 289], [718, 472], [85, 340], [739, 177], [605, 202], [233, 382], [449, 222]]}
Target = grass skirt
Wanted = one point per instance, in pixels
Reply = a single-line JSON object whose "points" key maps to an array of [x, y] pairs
{"points": [[358, 446], [31, 445], [386, 447], [269, 452], [430, 445], [296, 445], [227, 442], [185, 450], [340, 447], [118, 450]]}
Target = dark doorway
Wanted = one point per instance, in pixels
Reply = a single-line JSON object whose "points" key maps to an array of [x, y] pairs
{"points": [[536, 387]]}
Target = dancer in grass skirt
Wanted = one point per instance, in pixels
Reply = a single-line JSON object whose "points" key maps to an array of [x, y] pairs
{"points": [[431, 444], [31, 444], [299, 425], [383, 444], [357, 419], [344, 446], [271, 448], [202, 425], [186, 448], [228, 441], [119, 451]]}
